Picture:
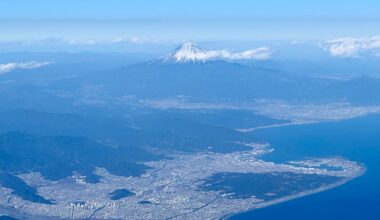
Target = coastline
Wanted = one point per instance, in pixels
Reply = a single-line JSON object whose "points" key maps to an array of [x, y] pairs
{"points": [[300, 195], [247, 130]]}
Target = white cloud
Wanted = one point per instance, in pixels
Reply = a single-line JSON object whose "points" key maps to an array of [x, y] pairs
{"points": [[85, 42], [262, 53], [137, 40], [8, 67], [116, 40], [352, 47]]}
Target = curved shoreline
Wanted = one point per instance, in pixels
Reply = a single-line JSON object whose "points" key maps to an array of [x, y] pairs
{"points": [[184, 160], [300, 195]]}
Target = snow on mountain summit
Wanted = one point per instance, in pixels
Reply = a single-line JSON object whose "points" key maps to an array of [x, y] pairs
{"points": [[190, 52]]}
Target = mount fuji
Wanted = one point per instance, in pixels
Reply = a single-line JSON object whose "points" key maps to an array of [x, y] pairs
{"points": [[187, 53], [191, 53]]}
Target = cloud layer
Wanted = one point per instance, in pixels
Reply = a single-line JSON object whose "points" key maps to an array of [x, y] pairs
{"points": [[117, 40], [8, 67], [353, 47], [262, 53]]}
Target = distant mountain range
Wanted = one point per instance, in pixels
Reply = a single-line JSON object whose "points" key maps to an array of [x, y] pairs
{"points": [[188, 71]]}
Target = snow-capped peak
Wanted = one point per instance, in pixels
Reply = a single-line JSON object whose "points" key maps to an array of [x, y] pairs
{"points": [[189, 52]]}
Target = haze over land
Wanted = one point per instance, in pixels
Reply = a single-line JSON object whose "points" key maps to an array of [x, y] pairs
{"points": [[189, 110]]}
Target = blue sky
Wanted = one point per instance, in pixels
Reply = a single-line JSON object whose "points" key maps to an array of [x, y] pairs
{"points": [[172, 9], [196, 19]]}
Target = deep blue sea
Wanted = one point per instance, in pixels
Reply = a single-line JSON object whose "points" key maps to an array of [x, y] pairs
{"points": [[357, 139]]}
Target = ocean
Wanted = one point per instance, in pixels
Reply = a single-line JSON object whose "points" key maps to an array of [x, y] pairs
{"points": [[356, 139]]}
